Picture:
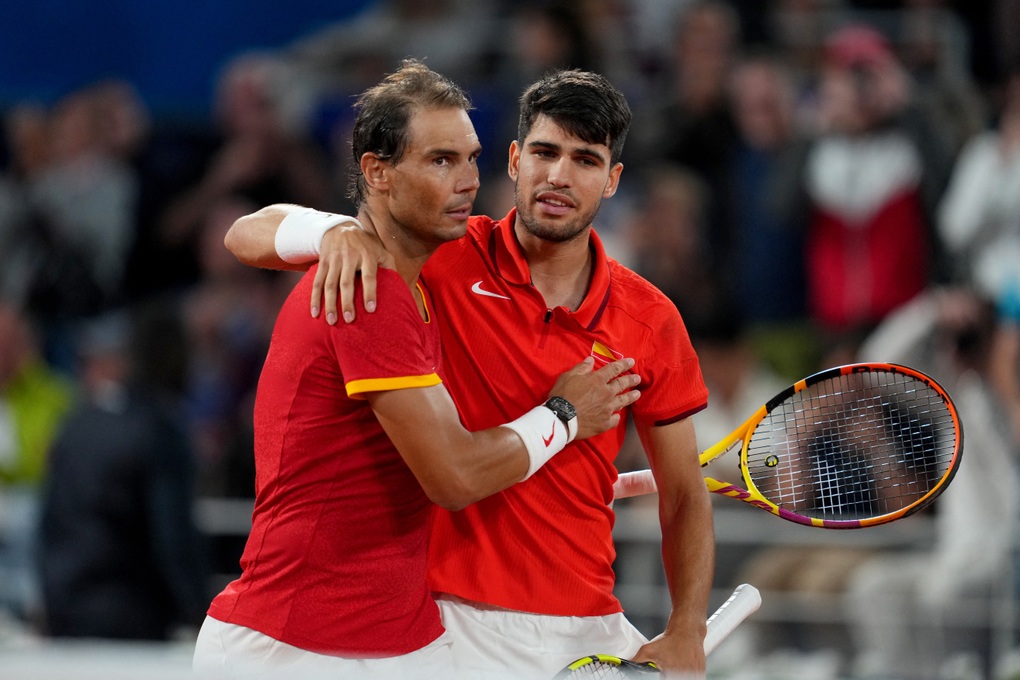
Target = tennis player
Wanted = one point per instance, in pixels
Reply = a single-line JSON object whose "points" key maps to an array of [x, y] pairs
{"points": [[525, 577], [355, 432]]}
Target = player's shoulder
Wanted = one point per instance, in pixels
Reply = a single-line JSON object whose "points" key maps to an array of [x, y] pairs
{"points": [[633, 291]]}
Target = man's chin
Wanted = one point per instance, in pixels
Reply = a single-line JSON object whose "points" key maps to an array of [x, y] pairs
{"points": [[554, 233]]}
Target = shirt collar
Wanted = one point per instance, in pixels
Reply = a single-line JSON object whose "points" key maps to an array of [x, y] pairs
{"points": [[512, 266]]}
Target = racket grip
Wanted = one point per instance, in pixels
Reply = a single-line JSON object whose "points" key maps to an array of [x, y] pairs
{"points": [[744, 601], [634, 484]]}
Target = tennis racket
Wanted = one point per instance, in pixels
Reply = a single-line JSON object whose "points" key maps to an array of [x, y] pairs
{"points": [[848, 447], [744, 601]]}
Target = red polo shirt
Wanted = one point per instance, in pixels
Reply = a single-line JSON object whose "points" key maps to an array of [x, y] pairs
{"points": [[335, 562], [545, 546]]}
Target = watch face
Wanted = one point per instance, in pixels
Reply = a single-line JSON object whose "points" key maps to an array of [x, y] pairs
{"points": [[562, 408]]}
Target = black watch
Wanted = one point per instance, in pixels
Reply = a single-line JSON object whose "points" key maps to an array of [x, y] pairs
{"points": [[563, 409]]}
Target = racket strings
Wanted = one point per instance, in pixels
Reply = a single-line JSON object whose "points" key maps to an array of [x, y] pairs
{"points": [[853, 446]]}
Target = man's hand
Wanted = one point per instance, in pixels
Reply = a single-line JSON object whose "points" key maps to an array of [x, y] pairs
{"points": [[345, 251], [598, 395], [681, 656]]}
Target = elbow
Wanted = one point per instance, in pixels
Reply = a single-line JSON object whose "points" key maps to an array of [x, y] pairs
{"points": [[233, 241], [451, 503], [452, 500], [451, 493]]}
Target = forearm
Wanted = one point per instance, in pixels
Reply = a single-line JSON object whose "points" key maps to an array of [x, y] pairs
{"points": [[252, 238], [456, 467], [688, 555], [688, 545], [473, 466]]}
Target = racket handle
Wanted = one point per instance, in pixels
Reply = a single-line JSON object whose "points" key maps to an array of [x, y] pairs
{"points": [[634, 484], [744, 601]]}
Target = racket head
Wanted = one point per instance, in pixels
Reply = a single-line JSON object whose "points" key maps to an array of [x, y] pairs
{"points": [[606, 666], [851, 446]]}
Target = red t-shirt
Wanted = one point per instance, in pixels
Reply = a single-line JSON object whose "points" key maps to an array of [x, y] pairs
{"points": [[545, 546], [335, 562]]}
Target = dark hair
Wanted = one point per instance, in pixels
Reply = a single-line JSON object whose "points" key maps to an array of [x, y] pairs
{"points": [[384, 112], [581, 102]]}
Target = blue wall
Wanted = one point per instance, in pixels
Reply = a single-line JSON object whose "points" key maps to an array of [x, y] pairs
{"points": [[171, 50]]}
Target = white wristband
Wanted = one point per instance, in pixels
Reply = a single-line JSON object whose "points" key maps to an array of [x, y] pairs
{"points": [[299, 235], [544, 435]]}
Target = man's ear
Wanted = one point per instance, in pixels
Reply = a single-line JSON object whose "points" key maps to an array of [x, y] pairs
{"points": [[514, 161], [614, 180], [373, 169]]}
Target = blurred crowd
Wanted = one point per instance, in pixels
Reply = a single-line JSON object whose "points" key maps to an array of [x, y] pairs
{"points": [[799, 175]]}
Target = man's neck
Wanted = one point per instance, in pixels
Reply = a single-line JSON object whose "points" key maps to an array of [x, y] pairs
{"points": [[560, 271], [409, 254]]}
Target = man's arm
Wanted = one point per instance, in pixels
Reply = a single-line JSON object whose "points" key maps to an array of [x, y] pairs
{"points": [[688, 545], [252, 239], [456, 467], [346, 249]]}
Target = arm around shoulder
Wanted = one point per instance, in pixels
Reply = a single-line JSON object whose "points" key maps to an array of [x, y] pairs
{"points": [[281, 236]]}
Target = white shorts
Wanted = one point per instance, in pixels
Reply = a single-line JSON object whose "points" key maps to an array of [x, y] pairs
{"points": [[496, 644], [225, 650]]}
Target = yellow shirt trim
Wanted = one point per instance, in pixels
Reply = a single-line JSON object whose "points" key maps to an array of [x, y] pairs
{"points": [[357, 388]]}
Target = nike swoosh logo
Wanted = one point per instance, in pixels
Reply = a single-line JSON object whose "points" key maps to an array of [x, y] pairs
{"points": [[552, 434], [477, 289]]}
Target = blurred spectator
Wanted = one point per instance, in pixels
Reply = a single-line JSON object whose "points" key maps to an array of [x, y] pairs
{"points": [[688, 115], [667, 242], [83, 202], [871, 180], [935, 46], [766, 266], [979, 216], [66, 217], [34, 399], [120, 556], [258, 157], [163, 160], [27, 139], [126, 120]]}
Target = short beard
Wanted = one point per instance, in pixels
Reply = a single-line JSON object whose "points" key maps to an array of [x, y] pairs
{"points": [[565, 233]]}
